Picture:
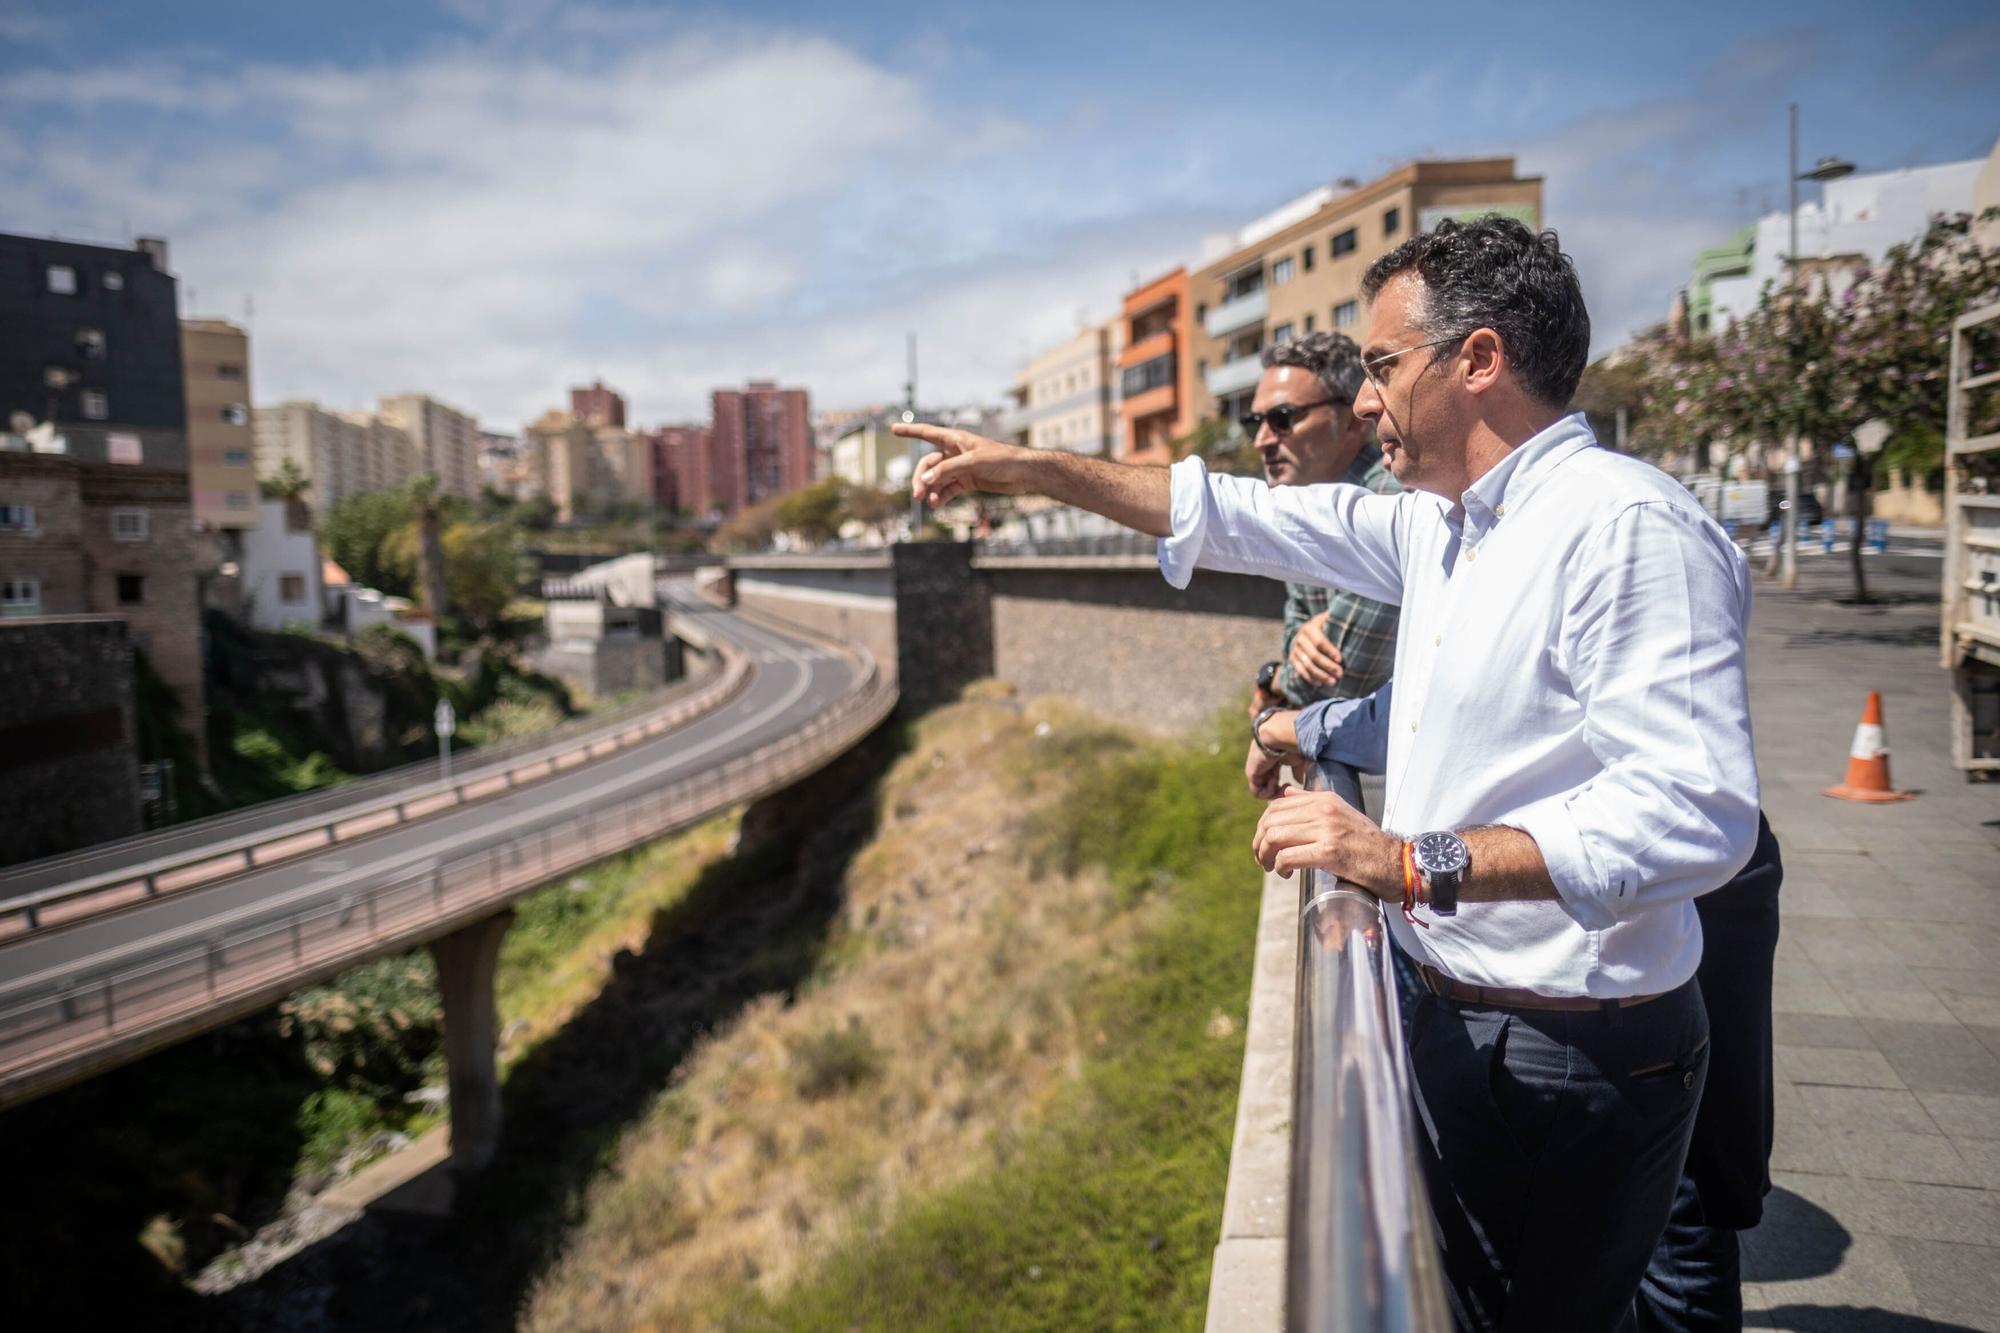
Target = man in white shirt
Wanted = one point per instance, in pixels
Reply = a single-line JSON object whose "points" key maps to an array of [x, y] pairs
{"points": [[1570, 754]]}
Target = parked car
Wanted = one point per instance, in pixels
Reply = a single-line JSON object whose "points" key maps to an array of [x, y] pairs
{"points": [[1809, 507]]}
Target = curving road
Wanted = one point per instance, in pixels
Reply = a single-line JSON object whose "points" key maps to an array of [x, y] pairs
{"points": [[793, 680]]}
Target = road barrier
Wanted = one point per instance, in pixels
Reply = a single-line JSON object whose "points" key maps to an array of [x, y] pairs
{"points": [[186, 985], [325, 819]]}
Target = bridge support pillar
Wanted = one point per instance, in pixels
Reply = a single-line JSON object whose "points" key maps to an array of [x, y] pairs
{"points": [[466, 960]]}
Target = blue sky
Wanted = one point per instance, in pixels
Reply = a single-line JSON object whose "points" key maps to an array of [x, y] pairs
{"points": [[492, 199]]}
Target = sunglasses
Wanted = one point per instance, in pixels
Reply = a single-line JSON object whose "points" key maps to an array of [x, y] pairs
{"points": [[1281, 418]]}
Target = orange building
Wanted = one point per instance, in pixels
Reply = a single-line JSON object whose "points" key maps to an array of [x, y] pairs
{"points": [[1154, 370]]}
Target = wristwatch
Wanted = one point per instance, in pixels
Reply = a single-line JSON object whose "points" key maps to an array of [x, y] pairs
{"points": [[1267, 676], [1257, 727], [1441, 860]]}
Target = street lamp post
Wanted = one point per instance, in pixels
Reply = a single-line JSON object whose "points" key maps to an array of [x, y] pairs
{"points": [[1826, 169]]}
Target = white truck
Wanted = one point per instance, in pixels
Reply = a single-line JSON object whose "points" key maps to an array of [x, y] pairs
{"points": [[1971, 592]]}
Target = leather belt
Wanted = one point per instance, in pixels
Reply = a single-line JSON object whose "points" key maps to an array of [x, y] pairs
{"points": [[1519, 997]]}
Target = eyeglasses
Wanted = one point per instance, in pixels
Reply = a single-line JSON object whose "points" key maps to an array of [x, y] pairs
{"points": [[1282, 417], [1371, 366]]}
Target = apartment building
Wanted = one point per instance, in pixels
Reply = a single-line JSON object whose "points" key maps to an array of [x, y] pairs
{"points": [[339, 453], [1298, 268], [446, 440], [1067, 397], [761, 445], [598, 405], [1154, 370], [222, 465], [682, 457], [95, 511], [560, 449]]}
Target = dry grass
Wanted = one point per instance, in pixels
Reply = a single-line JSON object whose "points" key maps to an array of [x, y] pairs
{"points": [[942, 1022]]}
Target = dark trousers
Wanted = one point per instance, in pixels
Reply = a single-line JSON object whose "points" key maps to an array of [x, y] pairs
{"points": [[1693, 1283], [1551, 1148]]}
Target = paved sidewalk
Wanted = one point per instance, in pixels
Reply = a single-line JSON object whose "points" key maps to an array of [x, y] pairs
{"points": [[1886, 1209]]}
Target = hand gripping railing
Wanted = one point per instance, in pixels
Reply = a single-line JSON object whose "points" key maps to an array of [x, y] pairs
{"points": [[1361, 1254], [227, 968]]}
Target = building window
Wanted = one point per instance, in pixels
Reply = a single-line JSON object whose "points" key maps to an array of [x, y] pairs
{"points": [[20, 597], [1343, 243], [114, 281], [131, 589], [1309, 323], [1147, 375], [17, 518], [123, 447], [236, 414], [129, 525], [96, 407], [237, 499], [1200, 312], [236, 458], [291, 587], [1306, 259], [90, 344], [1346, 313], [1391, 219], [62, 280], [228, 371], [1281, 334], [1281, 272]]}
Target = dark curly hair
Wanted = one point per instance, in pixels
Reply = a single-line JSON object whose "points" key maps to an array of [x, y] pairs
{"points": [[1333, 359], [1493, 273]]}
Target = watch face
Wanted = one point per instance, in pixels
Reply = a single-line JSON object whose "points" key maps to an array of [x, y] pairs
{"points": [[1441, 853]]}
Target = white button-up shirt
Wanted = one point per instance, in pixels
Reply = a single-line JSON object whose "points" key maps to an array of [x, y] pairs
{"points": [[1570, 663]]}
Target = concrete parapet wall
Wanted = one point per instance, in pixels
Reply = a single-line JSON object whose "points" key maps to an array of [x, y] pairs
{"points": [[1118, 637], [1105, 630]]}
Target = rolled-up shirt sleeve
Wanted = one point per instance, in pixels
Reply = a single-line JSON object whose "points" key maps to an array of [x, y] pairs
{"points": [[1335, 535], [1354, 732], [1652, 640]]}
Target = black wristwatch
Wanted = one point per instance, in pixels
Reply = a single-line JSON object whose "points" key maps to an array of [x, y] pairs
{"points": [[1267, 677], [1441, 860]]}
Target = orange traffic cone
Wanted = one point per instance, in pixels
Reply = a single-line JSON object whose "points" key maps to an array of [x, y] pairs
{"points": [[1868, 761]]}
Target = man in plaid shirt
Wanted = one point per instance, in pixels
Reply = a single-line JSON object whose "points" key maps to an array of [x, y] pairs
{"points": [[1302, 422]]}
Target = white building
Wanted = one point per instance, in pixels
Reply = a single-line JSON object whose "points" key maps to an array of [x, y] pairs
{"points": [[1856, 219], [280, 569]]}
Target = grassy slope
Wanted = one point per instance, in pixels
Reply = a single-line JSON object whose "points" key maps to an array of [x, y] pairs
{"points": [[1105, 1214], [1005, 1098]]}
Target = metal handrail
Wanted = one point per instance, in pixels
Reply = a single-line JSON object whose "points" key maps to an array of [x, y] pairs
{"points": [[1361, 1252], [211, 973]]}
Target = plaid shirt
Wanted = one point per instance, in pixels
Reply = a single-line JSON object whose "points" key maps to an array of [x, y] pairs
{"points": [[1363, 630]]}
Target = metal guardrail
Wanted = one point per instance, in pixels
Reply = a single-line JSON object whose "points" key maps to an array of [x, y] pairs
{"points": [[216, 973], [1361, 1252], [321, 825], [1121, 544]]}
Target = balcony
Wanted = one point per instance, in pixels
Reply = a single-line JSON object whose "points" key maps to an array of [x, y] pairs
{"points": [[1241, 313], [1234, 376]]}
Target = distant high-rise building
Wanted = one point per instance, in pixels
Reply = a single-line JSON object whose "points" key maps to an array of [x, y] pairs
{"points": [[446, 440], [339, 453], [763, 444], [559, 450], [598, 406], [683, 464], [222, 467], [95, 514]]}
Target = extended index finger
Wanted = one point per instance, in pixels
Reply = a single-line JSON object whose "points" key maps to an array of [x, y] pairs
{"points": [[945, 439]]}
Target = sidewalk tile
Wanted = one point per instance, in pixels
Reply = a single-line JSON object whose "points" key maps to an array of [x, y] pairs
{"points": [[1875, 1154], [1952, 1281], [1866, 1108], [1835, 1066], [1963, 1114], [1798, 1267], [1885, 1207], [1819, 1030], [1906, 1006]]}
